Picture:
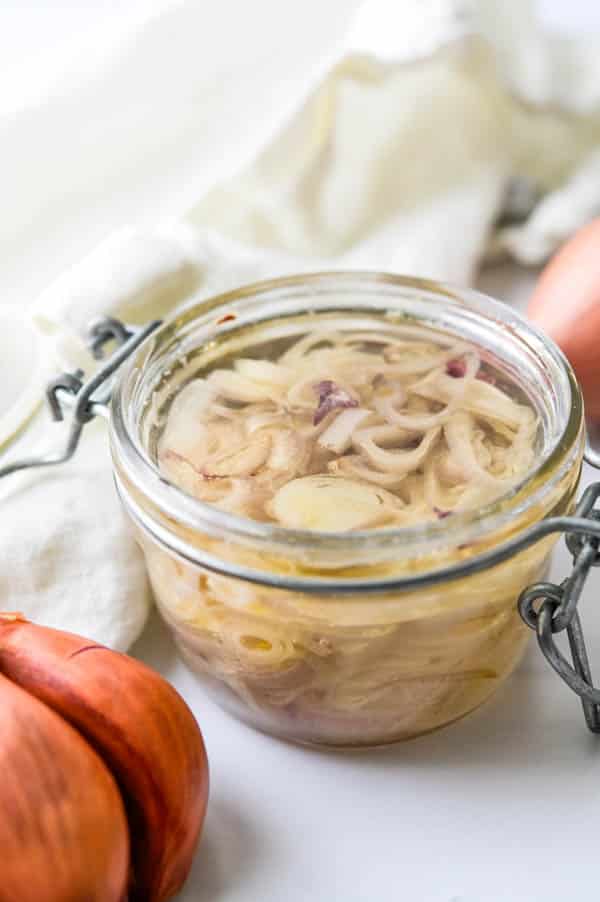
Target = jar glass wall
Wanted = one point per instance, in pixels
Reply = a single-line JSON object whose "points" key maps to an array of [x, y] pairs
{"points": [[335, 638]]}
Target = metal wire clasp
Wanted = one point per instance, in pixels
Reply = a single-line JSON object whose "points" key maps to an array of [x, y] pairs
{"points": [[86, 400], [549, 608]]}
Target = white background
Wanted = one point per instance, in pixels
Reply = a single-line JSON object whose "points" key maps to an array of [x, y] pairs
{"points": [[31, 27], [502, 807]]}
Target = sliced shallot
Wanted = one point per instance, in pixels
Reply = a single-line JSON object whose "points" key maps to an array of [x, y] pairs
{"points": [[338, 435], [331, 397], [240, 388], [353, 466], [458, 432], [400, 408], [396, 461]]}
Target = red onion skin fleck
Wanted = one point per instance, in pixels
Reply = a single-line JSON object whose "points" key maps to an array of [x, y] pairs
{"points": [[456, 368], [331, 397], [441, 514]]}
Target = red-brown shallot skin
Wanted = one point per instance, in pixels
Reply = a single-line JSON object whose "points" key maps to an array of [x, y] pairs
{"points": [[566, 305], [63, 830], [144, 732]]}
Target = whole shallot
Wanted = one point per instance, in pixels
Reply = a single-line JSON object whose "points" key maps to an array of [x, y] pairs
{"points": [[142, 733]]}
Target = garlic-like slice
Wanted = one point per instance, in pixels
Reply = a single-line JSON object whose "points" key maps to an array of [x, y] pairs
{"points": [[243, 460], [332, 504], [264, 371], [235, 387]]}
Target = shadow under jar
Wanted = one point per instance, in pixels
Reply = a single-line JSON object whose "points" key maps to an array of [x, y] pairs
{"points": [[355, 637]]}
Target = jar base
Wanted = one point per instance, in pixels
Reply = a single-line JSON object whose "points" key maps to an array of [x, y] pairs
{"points": [[251, 716], [346, 748]]}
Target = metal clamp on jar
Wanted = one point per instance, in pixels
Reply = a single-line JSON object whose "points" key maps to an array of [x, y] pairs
{"points": [[348, 638]]}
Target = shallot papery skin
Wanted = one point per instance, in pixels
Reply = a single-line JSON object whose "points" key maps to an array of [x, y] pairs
{"points": [[144, 732], [63, 830], [456, 368], [440, 513], [331, 397]]}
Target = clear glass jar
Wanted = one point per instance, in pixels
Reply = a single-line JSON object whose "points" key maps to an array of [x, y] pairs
{"points": [[357, 638]]}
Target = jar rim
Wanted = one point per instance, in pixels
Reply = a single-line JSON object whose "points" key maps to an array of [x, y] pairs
{"points": [[177, 507]]}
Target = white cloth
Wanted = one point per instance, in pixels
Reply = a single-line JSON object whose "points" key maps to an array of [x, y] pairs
{"points": [[453, 133], [66, 558]]}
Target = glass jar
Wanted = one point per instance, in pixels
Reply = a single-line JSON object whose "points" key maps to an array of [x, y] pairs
{"points": [[356, 638]]}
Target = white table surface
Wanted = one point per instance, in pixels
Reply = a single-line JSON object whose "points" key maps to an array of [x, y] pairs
{"points": [[503, 806]]}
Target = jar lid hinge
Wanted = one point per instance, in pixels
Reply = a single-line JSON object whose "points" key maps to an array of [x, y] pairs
{"points": [[68, 393]]}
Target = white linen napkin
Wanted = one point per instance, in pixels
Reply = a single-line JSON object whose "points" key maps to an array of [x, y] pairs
{"points": [[453, 133]]}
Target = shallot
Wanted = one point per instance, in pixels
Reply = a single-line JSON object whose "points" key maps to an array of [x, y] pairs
{"points": [[142, 733], [566, 304]]}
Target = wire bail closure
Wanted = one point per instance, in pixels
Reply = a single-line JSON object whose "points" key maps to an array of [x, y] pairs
{"points": [[86, 400], [558, 611]]}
